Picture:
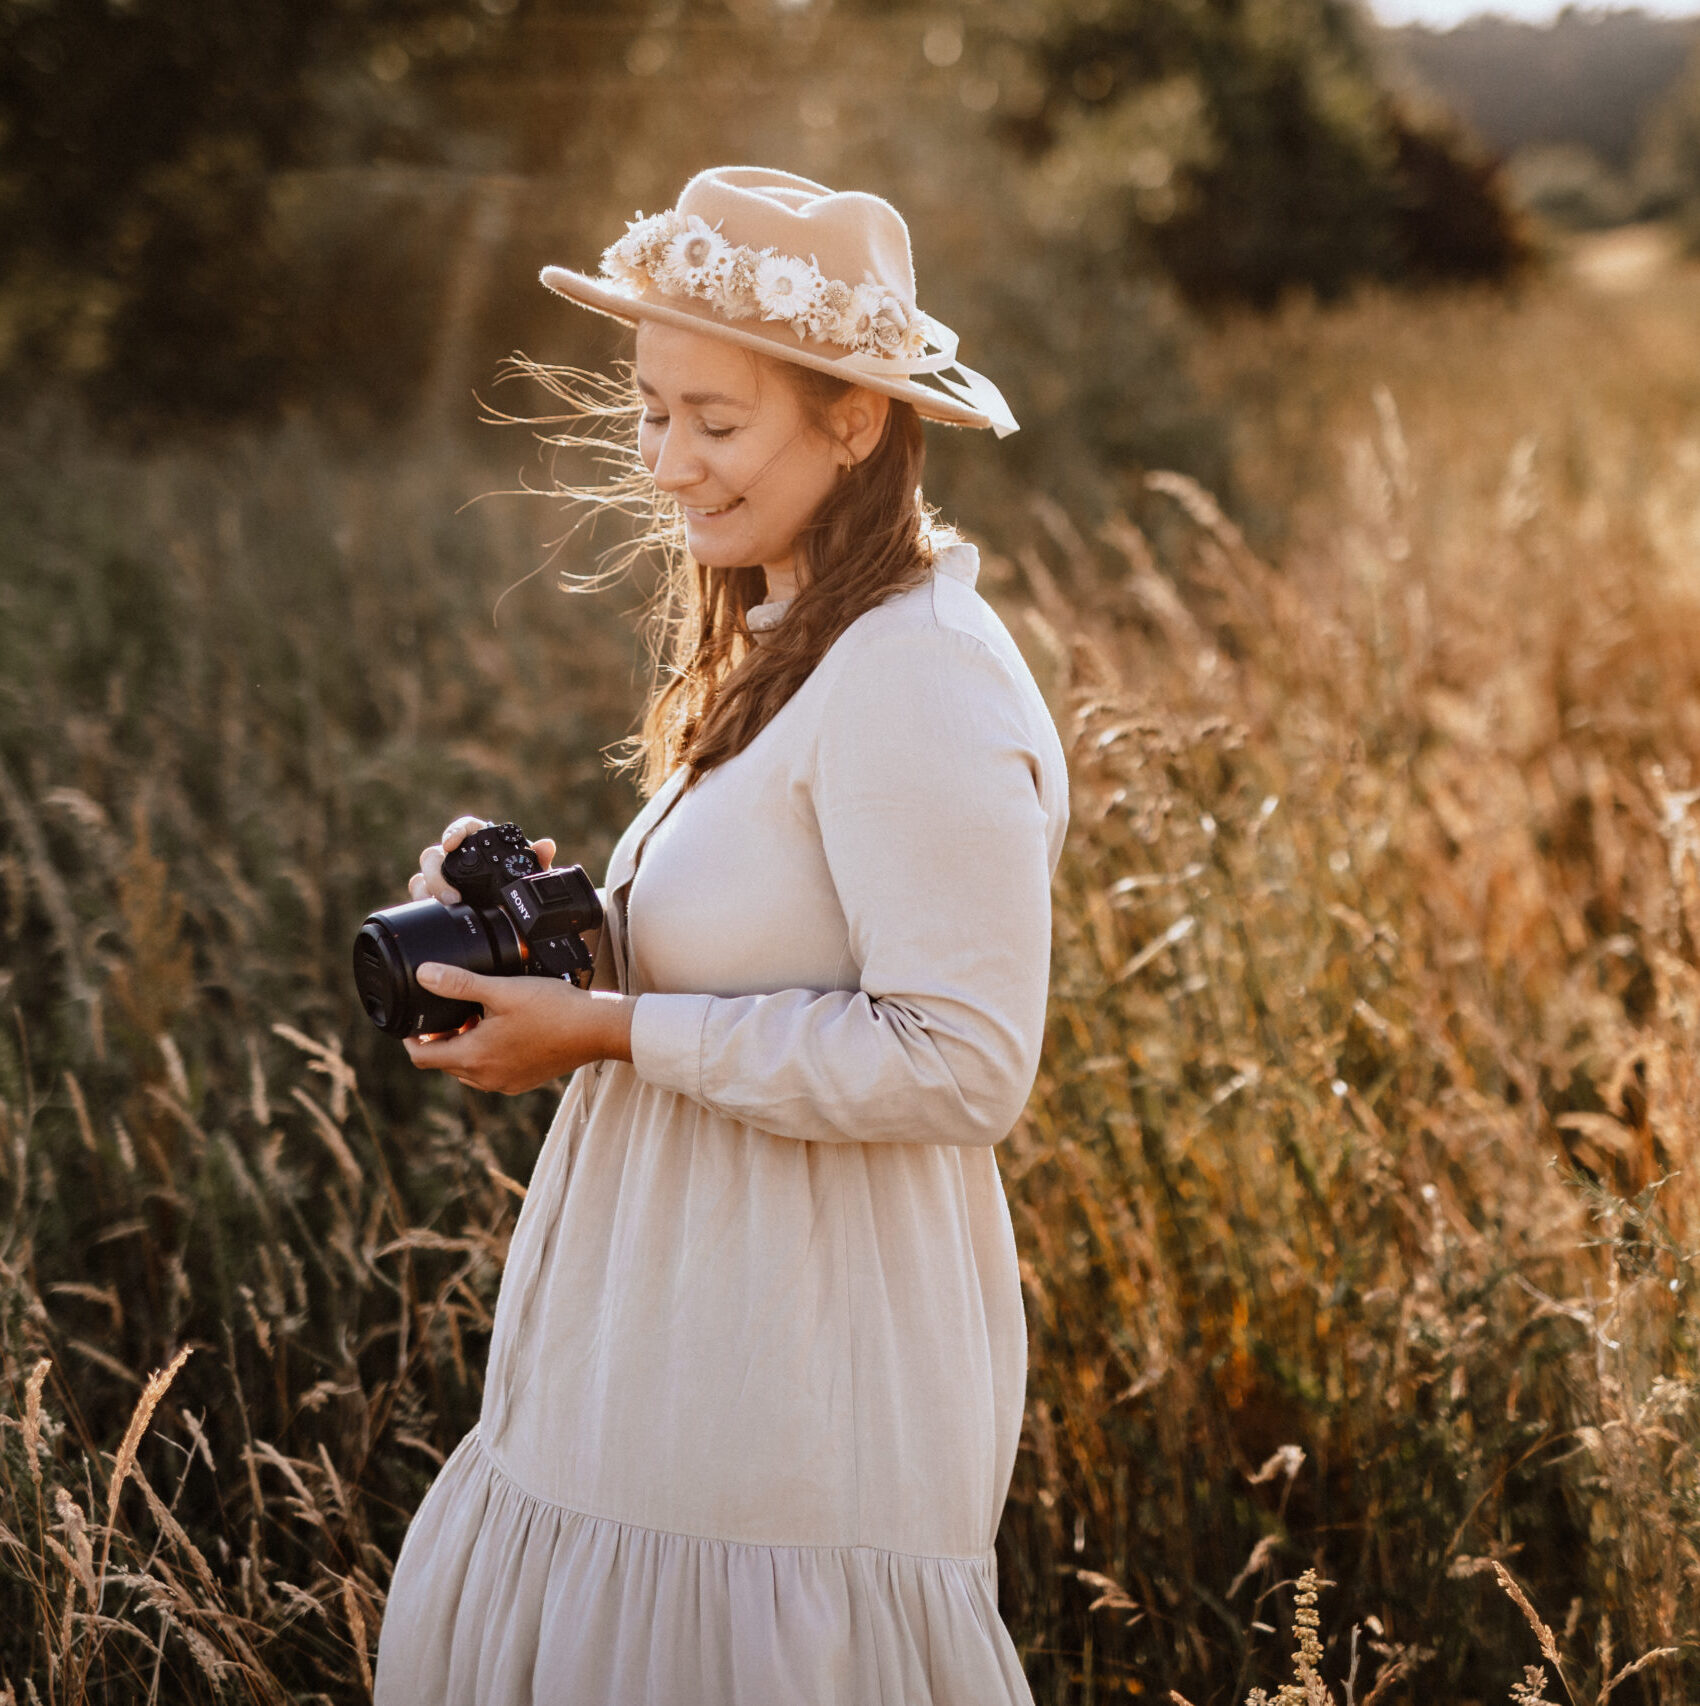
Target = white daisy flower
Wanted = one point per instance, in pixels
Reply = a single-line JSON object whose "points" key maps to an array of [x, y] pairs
{"points": [[694, 259], [787, 288], [856, 325]]}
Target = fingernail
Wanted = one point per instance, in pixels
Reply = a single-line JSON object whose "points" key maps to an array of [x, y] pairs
{"points": [[430, 974]]}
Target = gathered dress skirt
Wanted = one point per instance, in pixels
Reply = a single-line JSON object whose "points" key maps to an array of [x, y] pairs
{"points": [[750, 1417]]}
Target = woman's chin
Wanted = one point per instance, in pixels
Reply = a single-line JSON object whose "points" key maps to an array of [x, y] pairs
{"points": [[715, 552]]}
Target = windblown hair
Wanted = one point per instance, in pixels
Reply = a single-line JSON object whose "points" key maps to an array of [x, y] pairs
{"points": [[713, 688]]}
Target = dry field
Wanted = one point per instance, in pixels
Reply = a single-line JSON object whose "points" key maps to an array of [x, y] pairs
{"points": [[1357, 1194], [1356, 1199]]}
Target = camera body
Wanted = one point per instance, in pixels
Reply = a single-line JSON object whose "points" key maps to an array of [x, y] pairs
{"points": [[514, 919]]}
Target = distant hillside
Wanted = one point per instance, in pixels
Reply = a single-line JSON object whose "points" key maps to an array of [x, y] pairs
{"points": [[1591, 79]]}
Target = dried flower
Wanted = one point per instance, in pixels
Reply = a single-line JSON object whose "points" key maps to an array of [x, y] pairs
{"points": [[890, 327], [1531, 1691], [857, 319], [693, 259], [787, 288], [682, 255]]}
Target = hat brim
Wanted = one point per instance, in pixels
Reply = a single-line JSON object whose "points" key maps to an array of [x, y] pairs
{"points": [[592, 293]]}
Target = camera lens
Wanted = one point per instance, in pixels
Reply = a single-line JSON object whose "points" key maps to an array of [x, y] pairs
{"points": [[395, 943], [379, 975]]}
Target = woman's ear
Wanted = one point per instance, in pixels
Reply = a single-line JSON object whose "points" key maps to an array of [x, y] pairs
{"points": [[858, 419]]}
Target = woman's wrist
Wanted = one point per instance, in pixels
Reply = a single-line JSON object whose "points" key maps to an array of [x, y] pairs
{"points": [[614, 1024]]}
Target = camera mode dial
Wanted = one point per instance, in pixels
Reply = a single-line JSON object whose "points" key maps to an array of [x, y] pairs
{"points": [[487, 861]]}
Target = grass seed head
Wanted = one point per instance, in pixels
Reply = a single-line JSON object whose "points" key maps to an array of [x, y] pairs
{"points": [[32, 1417]]}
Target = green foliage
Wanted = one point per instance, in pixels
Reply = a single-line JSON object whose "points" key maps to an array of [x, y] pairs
{"points": [[1589, 78], [315, 203], [138, 148], [1249, 150], [1567, 186], [1585, 110], [1671, 165]]}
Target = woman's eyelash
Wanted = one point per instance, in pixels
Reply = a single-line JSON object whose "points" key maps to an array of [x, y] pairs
{"points": [[708, 431]]}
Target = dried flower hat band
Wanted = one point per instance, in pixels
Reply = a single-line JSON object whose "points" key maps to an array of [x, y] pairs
{"points": [[682, 255], [729, 260]]}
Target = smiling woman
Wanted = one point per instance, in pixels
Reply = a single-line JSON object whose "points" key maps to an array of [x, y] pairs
{"points": [[756, 1381], [747, 478]]}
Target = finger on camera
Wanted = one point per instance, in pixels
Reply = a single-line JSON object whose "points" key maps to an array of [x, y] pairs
{"points": [[431, 869], [458, 831], [439, 1052], [545, 851], [456, 983]]}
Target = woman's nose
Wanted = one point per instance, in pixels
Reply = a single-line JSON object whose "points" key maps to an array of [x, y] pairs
{"points": [[676, 469]]}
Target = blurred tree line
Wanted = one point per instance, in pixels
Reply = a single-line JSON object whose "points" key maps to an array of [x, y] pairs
{"points": [[1588, 110], [1589, 78], [1671, 157], [1249, 148], [221, 209]]}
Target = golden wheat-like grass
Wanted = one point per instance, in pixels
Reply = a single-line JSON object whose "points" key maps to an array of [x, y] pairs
{"points": [[1356, 1201]]}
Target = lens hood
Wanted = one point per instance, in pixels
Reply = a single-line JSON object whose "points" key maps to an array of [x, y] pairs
{"points": [[395, 943]]}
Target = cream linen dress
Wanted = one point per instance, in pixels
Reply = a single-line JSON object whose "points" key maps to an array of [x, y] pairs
{"points": [[757, 1376]]}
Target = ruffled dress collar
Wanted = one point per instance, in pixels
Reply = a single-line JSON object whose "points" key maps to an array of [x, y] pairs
{"points": [[764, 618], [961, 562]]}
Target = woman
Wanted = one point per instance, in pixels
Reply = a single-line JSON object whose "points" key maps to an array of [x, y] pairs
{"points": [[756, 1382]]}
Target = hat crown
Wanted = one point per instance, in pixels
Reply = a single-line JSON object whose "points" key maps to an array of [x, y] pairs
{"points": [[850, 235]]}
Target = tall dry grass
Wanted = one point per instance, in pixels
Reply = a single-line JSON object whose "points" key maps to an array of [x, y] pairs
{"points": [[1354, 1201], [235, 690], [1358, 1195]]}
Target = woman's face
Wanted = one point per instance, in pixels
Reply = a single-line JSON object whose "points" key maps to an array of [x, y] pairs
{"points": [[725, 433]]}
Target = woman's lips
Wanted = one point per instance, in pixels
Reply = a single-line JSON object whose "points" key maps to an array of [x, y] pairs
{"points": [[711, 512]]}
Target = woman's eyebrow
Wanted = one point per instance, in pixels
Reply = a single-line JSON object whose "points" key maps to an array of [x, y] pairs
{"points": [[696, 399]]}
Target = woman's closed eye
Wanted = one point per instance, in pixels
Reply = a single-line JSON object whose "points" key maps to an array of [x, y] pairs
{"points": [[703, 427]]}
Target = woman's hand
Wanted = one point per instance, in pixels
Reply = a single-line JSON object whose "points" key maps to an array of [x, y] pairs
{"points": [[427, 882], [534, 1029]]}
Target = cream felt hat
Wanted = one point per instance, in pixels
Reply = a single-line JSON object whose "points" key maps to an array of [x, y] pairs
{"points": [[791, 269]]}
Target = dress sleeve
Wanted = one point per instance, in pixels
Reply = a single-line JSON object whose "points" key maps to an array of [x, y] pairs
{"points": [[926, 790]]}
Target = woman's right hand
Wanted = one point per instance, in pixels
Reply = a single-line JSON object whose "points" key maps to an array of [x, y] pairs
{"points": [[428, 883]]}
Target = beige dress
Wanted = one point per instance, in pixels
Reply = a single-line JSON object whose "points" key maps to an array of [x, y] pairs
{"points": [[756, 1383]]}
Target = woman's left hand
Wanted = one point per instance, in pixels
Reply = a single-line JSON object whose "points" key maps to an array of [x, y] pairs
{"points": [[534, 1029]]}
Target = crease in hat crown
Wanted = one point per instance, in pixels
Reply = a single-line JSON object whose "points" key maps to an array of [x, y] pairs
{"points": [[786, 266]]}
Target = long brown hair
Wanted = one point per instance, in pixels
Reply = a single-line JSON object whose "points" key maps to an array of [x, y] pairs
{"points": [[714, 688]]}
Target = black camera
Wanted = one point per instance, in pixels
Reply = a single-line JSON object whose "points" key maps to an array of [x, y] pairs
{"points": [[514, 919]]}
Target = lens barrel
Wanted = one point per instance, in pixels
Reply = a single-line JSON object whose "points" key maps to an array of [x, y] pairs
{"points": [[395, 943]]}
